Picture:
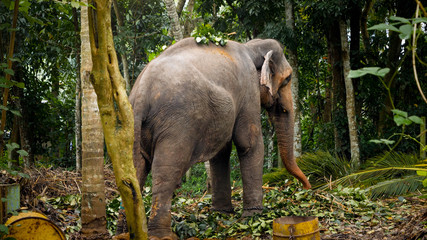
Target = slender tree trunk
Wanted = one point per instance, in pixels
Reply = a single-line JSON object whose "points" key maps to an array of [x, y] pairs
{"points": [[189, 22], [25, 138], [78, 113], [116, 116], [9, 66], [122, 55], [364, 29], [270, 147], [14, 137], [293, 61], [93, 212], [338, 87], [180, 7], [350, 103], [176, 28], [404, 9], [355, 56]]}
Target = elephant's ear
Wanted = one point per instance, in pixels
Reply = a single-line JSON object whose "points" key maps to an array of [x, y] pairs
{"points": [[266, 74]]}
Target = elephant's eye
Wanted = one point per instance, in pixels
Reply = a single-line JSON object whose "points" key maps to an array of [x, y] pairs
{"points": [[287, 80]]}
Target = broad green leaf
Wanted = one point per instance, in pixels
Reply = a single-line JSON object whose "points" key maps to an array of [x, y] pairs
{"points": [[20, 84], [419, 20], [399, 120], [11, 146], [416, 120], [16, 112], [3, 108], [9, 71], [400, 19], [400, 113], [422, 173], [381, 72], [405, 31], [75, 4], [383, 26]]}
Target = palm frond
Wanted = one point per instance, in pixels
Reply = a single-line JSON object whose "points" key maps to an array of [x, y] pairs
{"points": [[396, 187], [388, 174]]}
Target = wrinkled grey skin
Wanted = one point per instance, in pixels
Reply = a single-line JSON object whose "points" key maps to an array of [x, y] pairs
{"points": [[192, 101]]}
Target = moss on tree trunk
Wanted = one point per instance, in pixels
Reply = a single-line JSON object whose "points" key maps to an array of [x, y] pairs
{"points": [[116, 116]]}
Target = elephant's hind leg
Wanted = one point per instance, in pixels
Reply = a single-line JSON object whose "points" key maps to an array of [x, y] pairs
{"points": [[169, 164], [221, 188]]}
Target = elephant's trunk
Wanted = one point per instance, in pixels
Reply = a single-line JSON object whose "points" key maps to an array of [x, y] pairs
{"points": [[284, 124]]}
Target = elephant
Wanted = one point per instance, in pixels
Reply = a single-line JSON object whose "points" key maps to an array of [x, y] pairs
{"points": [[192, 102]]}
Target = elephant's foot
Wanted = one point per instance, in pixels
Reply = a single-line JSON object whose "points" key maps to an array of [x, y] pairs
{"points": [[248, 212], [161, 234], [227, 211]]}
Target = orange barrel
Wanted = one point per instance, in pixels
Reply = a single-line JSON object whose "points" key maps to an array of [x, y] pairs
{"points": [[296, 228]]}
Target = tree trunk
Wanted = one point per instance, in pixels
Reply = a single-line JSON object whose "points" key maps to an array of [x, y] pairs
{"points": [[122, 55], [93, 214], [350, 103], [355, 56], [9, 66], [116, 116], [364, 29], [180, 7], [403, 9], [176, 28], [78, 113], [270, 147], [14, 138], [338, 90], [293, 61]]}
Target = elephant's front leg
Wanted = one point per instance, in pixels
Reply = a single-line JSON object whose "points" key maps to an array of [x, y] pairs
{"points": [[250, 148], [221, 188]]}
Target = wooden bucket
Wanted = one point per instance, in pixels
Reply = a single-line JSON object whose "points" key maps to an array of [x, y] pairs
{"points": [[297, 228]]}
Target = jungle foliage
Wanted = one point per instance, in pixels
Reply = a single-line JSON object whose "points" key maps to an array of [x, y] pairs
{"points": [[389, 107]]}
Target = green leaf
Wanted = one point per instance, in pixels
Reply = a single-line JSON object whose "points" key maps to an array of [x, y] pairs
{"points": [[75, 4], [16, 112], [422, 173], [416, 120], [382, 141], [405, 31], [12, 146], [3, 229], [20, 84], [381, 72], [9, 71], [383, 26], [400, 113], [3, 108], [400, 19], [419, 20], [399, 120], [22, 153]]}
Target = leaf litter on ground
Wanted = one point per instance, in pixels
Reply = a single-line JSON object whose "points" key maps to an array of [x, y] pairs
{"points": [[343, 213]]}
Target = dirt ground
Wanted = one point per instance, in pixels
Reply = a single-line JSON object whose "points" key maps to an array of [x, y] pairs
{"points": [[47, 183]]}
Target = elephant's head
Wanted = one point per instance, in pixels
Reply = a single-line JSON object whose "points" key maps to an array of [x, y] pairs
{"points": [[276, 96]]}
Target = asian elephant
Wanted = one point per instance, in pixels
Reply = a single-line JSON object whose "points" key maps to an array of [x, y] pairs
{"points": [[192, 102]]}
